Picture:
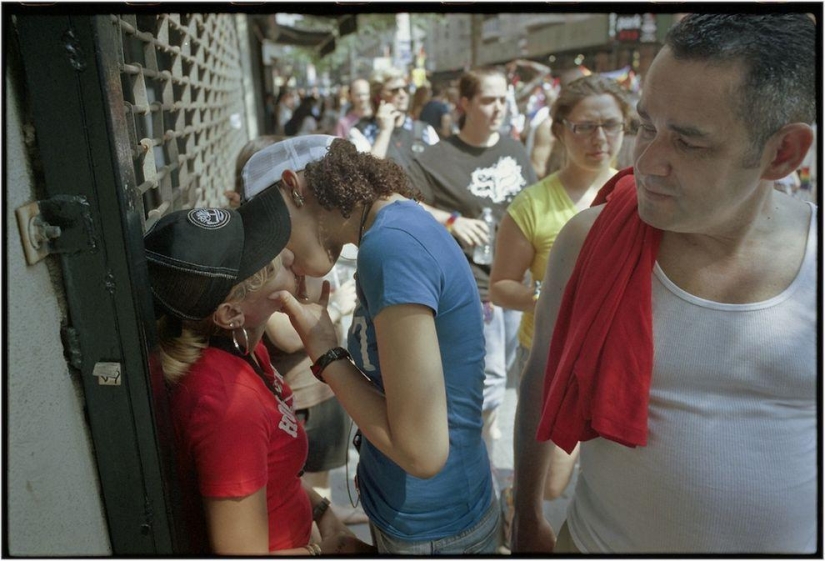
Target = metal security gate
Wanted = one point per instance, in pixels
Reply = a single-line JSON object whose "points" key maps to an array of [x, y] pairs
{"points": [[182, 93], [135, 115]]}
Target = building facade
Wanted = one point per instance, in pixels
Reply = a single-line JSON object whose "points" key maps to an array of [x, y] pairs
{"points": [[602, 42]]}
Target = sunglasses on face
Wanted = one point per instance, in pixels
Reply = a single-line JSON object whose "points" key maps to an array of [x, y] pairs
{"points": [[396, 90], [610, 128]]}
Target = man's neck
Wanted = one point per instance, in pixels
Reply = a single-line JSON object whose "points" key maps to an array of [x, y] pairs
{"points": [[750, 263], [480, 139]]}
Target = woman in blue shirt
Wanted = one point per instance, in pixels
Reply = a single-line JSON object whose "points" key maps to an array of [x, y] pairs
{"points": [[414, 387]]}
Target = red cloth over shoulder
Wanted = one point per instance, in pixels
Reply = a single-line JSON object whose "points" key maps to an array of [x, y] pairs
{"points": [[597, 381]]}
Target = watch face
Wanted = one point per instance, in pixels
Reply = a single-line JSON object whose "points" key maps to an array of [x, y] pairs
{"points": [[326, 359]]}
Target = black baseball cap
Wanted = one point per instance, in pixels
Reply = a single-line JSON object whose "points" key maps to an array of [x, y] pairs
{"points": [[196, 256]]}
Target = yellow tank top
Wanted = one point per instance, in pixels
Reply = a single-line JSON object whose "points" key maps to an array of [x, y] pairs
{"points": [[540, 211]]}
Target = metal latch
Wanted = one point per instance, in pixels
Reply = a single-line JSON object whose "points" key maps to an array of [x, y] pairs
{"points": [[107, 373], [62, 224]]}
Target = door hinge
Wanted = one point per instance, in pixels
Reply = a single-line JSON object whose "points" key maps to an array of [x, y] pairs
{"points": [[61, 224]]}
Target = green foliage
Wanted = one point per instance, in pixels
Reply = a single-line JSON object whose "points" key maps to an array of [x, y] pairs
{"points": [[370, 27], [375, 24]]}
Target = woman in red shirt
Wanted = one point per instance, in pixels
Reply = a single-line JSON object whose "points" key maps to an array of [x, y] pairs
{"points": [[237, 437]]}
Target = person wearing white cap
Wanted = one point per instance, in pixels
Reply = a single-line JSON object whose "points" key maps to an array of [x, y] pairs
{"points": [[413, 375], [325, 422], [240, 448]]}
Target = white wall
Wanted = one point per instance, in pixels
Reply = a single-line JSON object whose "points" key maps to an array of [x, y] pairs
{"points": [[53, 500]]}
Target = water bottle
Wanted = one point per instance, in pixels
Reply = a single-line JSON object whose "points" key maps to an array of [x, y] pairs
{"points": [[483, 254]]}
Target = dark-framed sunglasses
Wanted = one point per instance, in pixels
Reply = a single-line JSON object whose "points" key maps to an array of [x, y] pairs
{"points": [[398, 89]]}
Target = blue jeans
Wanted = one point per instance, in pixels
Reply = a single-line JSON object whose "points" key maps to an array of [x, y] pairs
{"points": [[500, 344], [484, 537]]}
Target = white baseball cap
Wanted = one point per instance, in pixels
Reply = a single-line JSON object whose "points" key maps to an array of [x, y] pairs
{"points": [[266, 166]]}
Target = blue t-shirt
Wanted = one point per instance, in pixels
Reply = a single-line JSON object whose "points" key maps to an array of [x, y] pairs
{"points": [[407, 257], [432, 112]]}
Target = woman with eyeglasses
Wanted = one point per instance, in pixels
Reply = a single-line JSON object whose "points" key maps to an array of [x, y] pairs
{"points": [[589, 120]]}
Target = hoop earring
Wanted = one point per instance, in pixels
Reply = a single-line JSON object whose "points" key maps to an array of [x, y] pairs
{"points": [[299, 200], [242, 350]]}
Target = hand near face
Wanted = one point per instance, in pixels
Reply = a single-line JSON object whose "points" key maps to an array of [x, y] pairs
{"points": [[311, 320], [387, 116]]}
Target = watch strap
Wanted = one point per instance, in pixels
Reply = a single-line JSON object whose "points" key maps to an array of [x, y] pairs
{"points": [[336, 353], [320, 509]]}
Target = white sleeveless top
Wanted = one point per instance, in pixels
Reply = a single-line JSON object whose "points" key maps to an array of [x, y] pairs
{"points": [[731, 460]]}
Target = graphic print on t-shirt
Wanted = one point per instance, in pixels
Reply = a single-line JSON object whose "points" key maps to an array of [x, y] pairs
{"points": [[289, 422], [500, 182]]}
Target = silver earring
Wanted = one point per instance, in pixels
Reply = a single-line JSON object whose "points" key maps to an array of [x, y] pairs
{"points": [[299, 200], [242, 350]]}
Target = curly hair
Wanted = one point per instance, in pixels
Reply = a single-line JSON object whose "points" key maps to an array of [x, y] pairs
{"points": [[346, 177]]}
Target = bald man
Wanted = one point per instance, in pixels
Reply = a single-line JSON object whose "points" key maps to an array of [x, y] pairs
{"points": [[359, 98]]}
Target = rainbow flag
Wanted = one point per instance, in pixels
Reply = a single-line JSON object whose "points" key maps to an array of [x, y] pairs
{"points": [[805, 178]]}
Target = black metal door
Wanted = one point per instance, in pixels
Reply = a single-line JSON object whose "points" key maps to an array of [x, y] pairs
{"points": [[134, 116]]}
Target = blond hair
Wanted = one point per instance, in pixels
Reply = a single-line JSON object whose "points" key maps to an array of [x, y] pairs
{"points": [[179, 351], [379, 79]]}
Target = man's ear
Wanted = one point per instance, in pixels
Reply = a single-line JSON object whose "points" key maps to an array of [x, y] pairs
{"points": [[228, 316], [463, 103], [789, 147]]}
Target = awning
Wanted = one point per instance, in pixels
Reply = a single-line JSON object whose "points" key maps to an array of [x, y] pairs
{"points": [[284, 35], [323, 41]]}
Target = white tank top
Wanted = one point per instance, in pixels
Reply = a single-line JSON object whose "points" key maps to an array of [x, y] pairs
{"points": [[731, 460]]}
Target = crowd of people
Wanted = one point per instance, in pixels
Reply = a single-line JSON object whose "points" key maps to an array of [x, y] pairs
{"points": [[658, 314]]}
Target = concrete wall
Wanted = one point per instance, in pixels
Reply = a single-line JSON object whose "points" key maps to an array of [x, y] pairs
{"points": [[579, 32], [53, 501]]}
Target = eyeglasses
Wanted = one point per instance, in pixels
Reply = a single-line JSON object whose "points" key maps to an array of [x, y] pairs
{"points": [[610, 128]]}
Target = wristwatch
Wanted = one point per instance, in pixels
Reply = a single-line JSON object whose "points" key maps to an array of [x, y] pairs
{"points": [[320, 509], [328, 358]]}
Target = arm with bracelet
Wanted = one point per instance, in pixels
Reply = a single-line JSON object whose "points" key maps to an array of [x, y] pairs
{"points": [[417, 334], [335, 537], [468, 231], [409, 330]]}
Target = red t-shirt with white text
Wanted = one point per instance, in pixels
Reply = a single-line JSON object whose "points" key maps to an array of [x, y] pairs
{"points": [[235, 436]]}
